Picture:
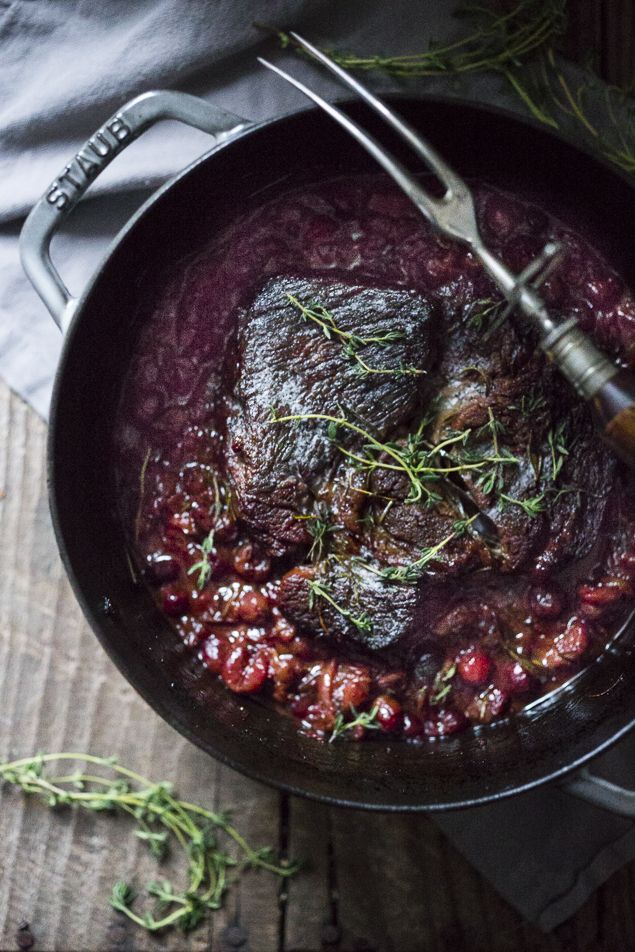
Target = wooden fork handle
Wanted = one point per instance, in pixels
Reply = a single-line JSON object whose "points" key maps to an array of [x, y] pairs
{"points": [[614, 406]]}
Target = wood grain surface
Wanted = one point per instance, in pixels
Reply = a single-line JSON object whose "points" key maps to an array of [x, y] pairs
{"points": [[372, 883]]}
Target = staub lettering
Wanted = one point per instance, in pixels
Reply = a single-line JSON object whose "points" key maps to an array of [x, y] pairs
{"points": [[97, 153]]}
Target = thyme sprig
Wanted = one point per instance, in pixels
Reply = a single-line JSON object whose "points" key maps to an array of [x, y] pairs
{"points": [[555, 101], [319, 527], [483, 314], [365, 719], [530, 403], [161, 819], [558, 448], [519, 44], [204, 565], [352, 343], [361, 620], [497, 40], [532, 506], [411, 573], [415, 457], [442, 684]]}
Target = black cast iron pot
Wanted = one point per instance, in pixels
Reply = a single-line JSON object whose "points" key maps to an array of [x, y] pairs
{"points": [[548, 741]]}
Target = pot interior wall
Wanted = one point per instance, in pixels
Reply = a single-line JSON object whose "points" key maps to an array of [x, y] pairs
{"points": [[246, 732]]}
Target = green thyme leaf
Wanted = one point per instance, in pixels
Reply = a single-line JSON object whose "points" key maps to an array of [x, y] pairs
{"points": [[162, 820]]}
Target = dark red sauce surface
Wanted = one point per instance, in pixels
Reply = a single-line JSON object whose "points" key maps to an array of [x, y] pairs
{"points": [[170, 436]]}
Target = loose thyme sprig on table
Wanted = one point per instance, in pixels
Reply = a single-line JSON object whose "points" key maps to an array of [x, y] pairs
{"points": [[497, 41], [519, 44], [352, 343], [161, 819]]}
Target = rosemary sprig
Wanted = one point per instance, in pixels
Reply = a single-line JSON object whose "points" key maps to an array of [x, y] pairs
{"points": [[498, 40], [361, 621], [365, 719], [204, 565], [161, 819], [352, 343]]}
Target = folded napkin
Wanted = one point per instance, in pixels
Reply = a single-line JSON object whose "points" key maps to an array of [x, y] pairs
{"points": [[65, 66]]}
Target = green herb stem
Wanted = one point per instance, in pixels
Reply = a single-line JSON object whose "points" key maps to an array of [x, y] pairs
{"points": [[352, 343], [150, 805]]}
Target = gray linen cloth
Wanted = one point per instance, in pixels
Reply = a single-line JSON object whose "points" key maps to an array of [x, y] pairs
{"points": [[65, 66]]}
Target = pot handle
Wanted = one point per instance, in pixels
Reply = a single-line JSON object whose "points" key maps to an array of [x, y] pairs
{"points": [[65, 191], [602, 793]]}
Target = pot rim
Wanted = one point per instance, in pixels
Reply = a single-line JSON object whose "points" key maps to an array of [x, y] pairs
{"points": [[92, 615]]}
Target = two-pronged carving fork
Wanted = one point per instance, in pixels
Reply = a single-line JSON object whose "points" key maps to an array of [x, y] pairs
{"points": [[609, 389]]}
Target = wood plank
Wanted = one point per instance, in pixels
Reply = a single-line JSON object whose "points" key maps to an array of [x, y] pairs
{"points": [[403, 887], [311, 918], [583, 38], [618, 42], [60, 692]]}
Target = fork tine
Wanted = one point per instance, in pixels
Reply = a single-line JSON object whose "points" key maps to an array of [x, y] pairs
{"points": [[407, 182], [424, 150]]}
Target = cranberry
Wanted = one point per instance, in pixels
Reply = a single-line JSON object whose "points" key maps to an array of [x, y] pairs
{"points": [[318, 720], [489, 705], [606, 593], [284, 670], [412, 725], [244, 672], [175, 604], [389, 715], [214, 653], [498, 700], [183, 522], [251, 565], [546, 601], [574, 640], [161, 569], [520, 681], [200, 601], [350, 686], [474, 666], [444, 721], [282, 630], [300, 705], [253, 606]]}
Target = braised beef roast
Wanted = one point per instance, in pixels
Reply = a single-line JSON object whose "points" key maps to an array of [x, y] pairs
{"points": [[527, 454], [288, 363]]}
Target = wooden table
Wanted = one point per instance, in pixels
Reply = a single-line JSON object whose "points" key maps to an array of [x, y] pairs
{"points": [[373, 882]]}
